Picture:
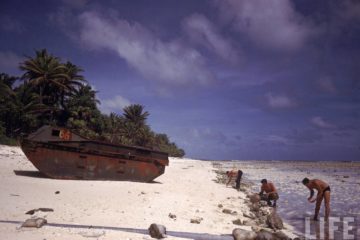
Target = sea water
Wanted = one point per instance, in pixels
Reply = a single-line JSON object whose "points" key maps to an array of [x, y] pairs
{"points": [[293, 207]]}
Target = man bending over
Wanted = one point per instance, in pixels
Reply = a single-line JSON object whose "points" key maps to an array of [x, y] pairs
{"points": [[270, 192], [323, 192]]}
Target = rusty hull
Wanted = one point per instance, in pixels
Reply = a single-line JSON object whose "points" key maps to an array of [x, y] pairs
{"points": [[92, 160]]}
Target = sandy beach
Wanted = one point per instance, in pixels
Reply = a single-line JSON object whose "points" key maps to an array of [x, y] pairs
{"points": [[115, 209]]}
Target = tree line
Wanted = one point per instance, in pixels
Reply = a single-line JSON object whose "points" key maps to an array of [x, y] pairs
{"points": [[52, 92]]}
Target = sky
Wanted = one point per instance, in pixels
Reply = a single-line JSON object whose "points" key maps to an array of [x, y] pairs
{"points": [[224, 79]]}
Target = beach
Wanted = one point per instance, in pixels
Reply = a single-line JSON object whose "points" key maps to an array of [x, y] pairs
{"points": [[118, 209], [342, 176]]}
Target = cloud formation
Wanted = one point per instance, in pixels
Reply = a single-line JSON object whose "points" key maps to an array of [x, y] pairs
{"points": [[279, 101], [168, 62], [114, 104], [203, 32], [207, 134], [321, 123], [270, 24]]}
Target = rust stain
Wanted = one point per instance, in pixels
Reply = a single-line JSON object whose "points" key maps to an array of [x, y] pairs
{"points": [[67, 158]]}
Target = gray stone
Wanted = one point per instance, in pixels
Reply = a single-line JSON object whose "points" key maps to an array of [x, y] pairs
{"points": [[274, 221], [157, 231], [255, 207], [237, 222], [255, 198], [34, 222], [281, 236], [249, 223], [267, 235], [249, 215], [229, 211], [241, 234], [196, 220]]}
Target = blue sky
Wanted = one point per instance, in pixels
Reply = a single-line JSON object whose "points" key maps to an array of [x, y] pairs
{"points": [[225, 79]]}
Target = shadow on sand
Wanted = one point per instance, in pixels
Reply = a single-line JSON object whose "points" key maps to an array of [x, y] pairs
{"points": [[37, 174], [25, 173], [189, 235]]}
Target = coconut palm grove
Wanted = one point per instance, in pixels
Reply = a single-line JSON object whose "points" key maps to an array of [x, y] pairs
{"points": [[53, 92]]}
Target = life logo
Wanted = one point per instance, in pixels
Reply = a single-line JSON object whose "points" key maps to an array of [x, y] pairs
{"points": [[65, 134]]}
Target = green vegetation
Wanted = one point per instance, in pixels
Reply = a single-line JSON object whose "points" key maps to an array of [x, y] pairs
{"points": [[55, 93]]}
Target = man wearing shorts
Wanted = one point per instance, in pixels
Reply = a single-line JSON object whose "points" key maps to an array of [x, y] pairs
{"points": [[270, 192], [323, 192]]}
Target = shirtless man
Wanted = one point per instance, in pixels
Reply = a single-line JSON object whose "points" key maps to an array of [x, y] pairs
{"points": [[237, 174], [323, 192], [270, 192]]}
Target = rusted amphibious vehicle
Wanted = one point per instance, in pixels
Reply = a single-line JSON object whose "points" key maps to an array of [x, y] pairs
{"points": [[62, 154]]}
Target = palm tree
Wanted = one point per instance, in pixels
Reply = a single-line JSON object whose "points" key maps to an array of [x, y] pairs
{"points": [[73, 83], [46, 74], [134, 114], [6, 83]]}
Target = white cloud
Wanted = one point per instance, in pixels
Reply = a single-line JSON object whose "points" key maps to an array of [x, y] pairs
{"points": [[321, 123], [279, 101], [207, 134], [204, 32], [167, 62], [114, 104], [9, 62], [271, 24]]}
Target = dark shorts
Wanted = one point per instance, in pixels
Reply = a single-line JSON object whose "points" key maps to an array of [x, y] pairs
{"points": [[271, 196], [327, 189]]}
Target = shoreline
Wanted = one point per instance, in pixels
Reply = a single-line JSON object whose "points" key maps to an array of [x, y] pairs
{"points": [[119, 210]]}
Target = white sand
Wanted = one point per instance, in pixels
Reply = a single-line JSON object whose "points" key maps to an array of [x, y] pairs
{"points": [[186, 190]]}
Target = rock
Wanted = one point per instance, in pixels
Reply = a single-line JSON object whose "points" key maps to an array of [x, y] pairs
{"points": [[240, 234], [255, 198], [281, 236], [57, 192], [249, 215], [274, 221], [157, 231], [250, 223], [34, 222], [267, 235], [172, 216], [196, 220], [261, 220], [346, 176], [255, 228], [255, 207], [264, 211], [228, 211], [220, 205], [237, 222], [31, 212]]}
